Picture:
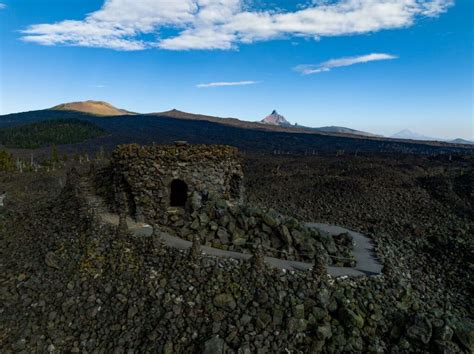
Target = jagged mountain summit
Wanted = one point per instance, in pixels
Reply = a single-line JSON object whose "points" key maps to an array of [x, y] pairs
{"points": [[276, 119], [99, 108]]}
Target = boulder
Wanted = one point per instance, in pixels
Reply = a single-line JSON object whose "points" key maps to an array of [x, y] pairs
{"points": [[221, 204], [350, 319], [286, 236], [323, 297], [263, 320], [223, 235], [225, 301], [239, 242], [132, 311], [421, 330], [464, 331], [444, 333], [215, 345], [298, 311], [52, 260], [296, 325], [324, 332], [319, 313], [196, 201], [277, 317], [270, 219]]}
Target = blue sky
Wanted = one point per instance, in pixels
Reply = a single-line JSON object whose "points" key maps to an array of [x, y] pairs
{"points": [[374, 65]]}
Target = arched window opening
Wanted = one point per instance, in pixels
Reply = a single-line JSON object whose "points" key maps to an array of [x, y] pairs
{"points": [[179, 193], [235, 187]]}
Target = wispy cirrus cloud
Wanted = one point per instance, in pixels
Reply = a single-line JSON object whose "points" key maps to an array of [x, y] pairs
{"points": [[225, 24], [2, 6], [341, 62], [227, 83]]}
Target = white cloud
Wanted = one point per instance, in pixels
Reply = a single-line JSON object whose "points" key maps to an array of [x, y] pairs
{"points": [[231, 83], [2, 6], [337, 63], [224, 24]]}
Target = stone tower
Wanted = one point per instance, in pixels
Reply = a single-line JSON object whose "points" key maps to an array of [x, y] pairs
{"points": [[164, 180]]}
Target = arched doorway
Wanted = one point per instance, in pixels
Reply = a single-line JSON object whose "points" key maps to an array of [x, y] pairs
{"points": [[179, 193]]}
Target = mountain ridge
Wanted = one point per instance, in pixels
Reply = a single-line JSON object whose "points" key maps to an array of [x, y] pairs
{"points": [[104, 109], [99, 108], [344, 130], [249, 136]]}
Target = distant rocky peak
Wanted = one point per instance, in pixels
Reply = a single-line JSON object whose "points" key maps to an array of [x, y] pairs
{"points": [[276, 119]]}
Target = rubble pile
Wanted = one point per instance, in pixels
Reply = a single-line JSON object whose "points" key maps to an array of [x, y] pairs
{"points": [[241, 228]]}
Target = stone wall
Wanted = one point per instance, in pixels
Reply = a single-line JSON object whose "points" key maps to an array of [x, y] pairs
{"points": [[157, 181], [140, 180]]}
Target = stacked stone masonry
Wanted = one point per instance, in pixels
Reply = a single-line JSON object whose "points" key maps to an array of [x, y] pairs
{"points": [[159, 180]]}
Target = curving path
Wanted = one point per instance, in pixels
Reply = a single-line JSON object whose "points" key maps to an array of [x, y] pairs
{"points": [[366, 261], [363, 251]]}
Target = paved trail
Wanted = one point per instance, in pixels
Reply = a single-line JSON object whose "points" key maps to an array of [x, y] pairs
{"points": [[366, 261]]}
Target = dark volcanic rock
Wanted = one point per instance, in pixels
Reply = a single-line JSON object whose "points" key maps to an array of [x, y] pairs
{"points": [[114, 292]]}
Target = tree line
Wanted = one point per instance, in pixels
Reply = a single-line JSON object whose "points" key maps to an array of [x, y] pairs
{"points": [[52, 161], [50, 132]]}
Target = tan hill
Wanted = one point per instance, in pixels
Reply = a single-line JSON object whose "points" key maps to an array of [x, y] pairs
{"points": [[98, 108]]}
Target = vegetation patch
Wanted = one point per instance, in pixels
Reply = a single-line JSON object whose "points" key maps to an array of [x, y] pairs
{"points": [[49, 132], [6, 161]]}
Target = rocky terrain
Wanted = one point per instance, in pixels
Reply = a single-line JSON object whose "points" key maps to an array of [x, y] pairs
{"points": [[418, 210], [70, 283], [242, 228], [141, 179]]}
